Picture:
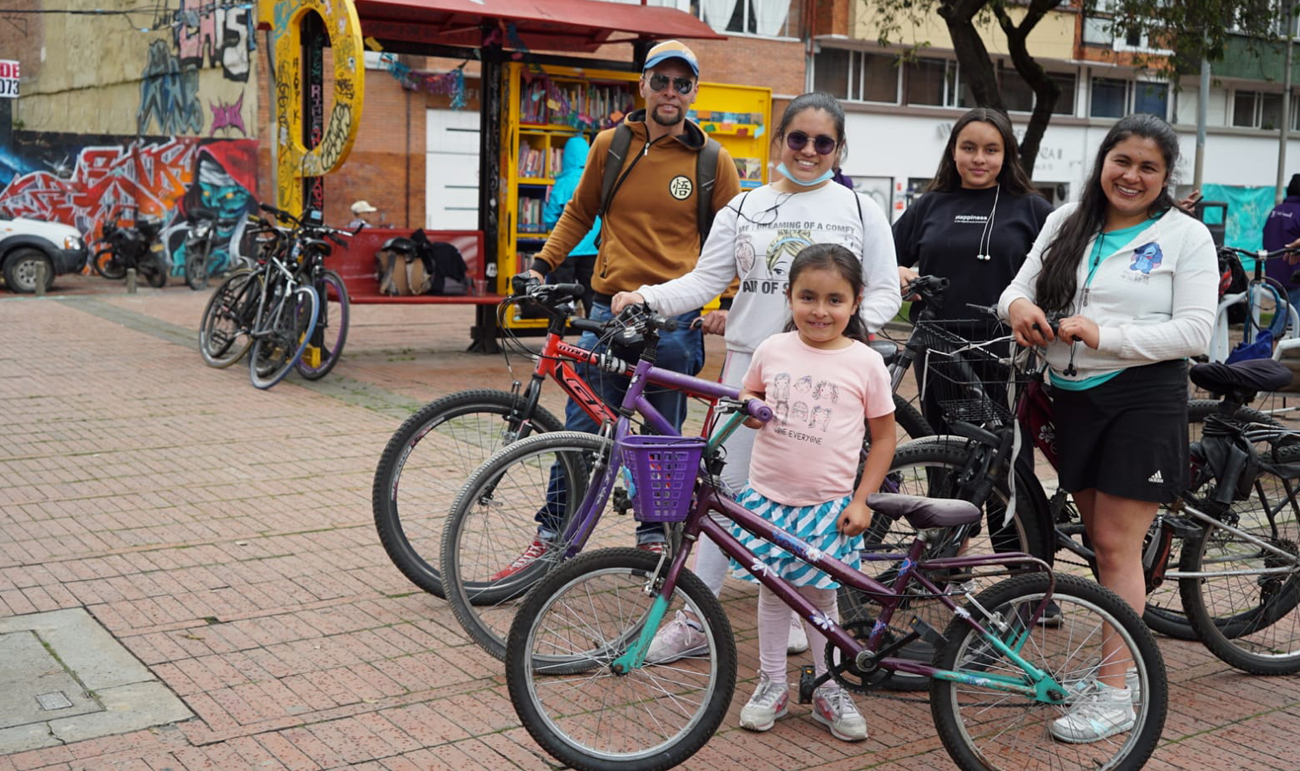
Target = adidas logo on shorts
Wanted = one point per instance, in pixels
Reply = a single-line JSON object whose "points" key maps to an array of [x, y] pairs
{"points": [[1156, 478]]}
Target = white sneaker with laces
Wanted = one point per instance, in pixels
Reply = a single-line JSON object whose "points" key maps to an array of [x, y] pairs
{"points": [[1131, 682], [675, 640], [798, 642], [1098, 712], [771, 700], [833, 707]]}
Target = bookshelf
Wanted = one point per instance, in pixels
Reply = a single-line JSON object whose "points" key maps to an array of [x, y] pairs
{"points": [[535, 125]]}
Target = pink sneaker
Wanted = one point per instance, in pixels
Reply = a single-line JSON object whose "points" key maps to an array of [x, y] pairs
{"points": [[770, 701], [833, 707], [534, 552], [675, 640]]}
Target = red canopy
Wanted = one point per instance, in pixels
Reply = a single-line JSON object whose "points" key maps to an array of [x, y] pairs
{"points": [[542, 25]]}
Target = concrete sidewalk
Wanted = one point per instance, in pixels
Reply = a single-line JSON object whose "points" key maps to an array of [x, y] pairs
{"points": [[223, 536]]}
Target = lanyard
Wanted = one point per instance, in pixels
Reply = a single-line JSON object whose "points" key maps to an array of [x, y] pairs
{"points": [[1092, 271]]}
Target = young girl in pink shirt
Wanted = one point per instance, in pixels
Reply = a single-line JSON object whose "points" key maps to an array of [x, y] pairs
{"points": [[821, 380]]}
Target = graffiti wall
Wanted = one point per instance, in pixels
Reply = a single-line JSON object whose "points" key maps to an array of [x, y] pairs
{"points": [[56, 177]]}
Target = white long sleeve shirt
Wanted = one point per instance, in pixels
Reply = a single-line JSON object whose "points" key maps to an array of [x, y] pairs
{"points": [[1153, 300], [757, 235]]}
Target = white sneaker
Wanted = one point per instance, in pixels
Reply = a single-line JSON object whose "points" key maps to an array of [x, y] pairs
{"points": [[798, 642], [1098, 712], [1131, 682], [770, 701], [675, 640], [833, 707]]}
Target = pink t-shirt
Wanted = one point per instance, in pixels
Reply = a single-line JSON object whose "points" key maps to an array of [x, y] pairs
{"points": [[808, 453]]}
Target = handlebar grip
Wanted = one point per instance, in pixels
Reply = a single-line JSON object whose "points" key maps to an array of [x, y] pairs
{"points": [[587, 325], [669, 325], [572, 290], [756, 408], [336, 239], [521, 282], [279, 213]]}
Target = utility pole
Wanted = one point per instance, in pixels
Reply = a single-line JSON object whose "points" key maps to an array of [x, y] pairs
{"points": [[1289, 18], [1202, 104]]}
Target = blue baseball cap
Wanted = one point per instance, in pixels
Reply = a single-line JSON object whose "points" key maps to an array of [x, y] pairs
{"points": [[672, 49]]}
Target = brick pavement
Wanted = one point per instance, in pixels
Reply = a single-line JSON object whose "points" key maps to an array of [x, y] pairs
{"points": [[224, 536]]}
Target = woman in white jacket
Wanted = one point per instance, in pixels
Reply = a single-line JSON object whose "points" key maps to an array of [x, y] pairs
{"points": [[1135, 282], [754, 238]]}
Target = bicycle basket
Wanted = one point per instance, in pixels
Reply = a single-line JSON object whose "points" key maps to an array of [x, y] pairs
{"points": [[969, 386], [663, 471]]}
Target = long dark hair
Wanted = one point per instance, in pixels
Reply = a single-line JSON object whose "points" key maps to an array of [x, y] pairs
{"points": [[841, 260], [1059, 277], [1012, 177], [815, 100]]}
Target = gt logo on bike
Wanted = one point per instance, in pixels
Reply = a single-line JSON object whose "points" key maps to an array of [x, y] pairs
{"points": [[681, 187]]}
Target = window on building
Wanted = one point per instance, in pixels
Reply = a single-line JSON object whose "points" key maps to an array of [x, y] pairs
{"points": [[1151, 98], [1019, 97], [856, 76], [1109, 98], [768, 18], [931, 82], [1254, 109]]}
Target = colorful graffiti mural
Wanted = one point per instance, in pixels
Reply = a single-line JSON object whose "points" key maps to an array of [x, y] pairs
{"points": [[165, 177], [215, 34]]}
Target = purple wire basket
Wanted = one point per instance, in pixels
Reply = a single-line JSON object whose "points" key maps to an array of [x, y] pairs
{"points": [[663, 470]]}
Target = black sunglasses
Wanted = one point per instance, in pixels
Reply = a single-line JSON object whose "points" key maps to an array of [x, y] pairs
{"points": [[824, 145], [659, 82]]}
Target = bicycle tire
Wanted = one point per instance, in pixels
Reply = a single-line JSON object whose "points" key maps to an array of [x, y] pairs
{"points": [[414, 489], [652, 718], [333, 325], [290, 324], [925, 468], [495, 519], [999, 722], [196, 264], [1250, 621], [223, 329]]}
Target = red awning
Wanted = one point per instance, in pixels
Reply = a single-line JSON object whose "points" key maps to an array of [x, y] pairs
{"points": [[542, 25]]}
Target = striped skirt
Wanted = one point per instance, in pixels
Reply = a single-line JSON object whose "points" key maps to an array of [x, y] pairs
{"points": [[815, 525]]}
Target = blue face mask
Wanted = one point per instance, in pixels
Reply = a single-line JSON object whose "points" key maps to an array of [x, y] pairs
{"points": [[783, 171]]}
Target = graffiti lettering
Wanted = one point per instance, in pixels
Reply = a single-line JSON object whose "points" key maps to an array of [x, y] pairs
{"points": [[332, 144], [228, 116], [216, 33], [169, 94]]}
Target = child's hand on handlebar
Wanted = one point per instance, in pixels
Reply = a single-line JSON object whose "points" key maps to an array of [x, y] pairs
{"points": [[624, 299], [1029, 323], [855, 519]]}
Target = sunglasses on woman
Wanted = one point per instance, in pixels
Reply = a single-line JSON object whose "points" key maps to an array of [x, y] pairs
{"points": [[797, 140], [660, 82]]}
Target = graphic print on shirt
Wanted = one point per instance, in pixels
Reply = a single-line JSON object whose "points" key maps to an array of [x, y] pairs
{"points": [[802, 406], [1147, 257]]}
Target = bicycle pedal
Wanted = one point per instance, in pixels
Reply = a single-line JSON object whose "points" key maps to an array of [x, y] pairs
{"points": [[807, 684], [928, 633]]}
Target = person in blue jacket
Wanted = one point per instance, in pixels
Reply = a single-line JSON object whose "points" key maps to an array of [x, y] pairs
{"points": [[1281, 229], [577, 267]]}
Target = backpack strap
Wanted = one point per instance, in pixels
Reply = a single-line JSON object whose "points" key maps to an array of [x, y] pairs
{"points": [[613, 165], [706, 171]]}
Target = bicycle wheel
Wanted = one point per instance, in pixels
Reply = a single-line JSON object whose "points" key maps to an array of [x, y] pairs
{"points": [[332, 325], [196, 264], [223, 330], [931, 469], [984, 728], [578, 621], [1244, 615], [493, 550], [287, 329], [426, 462]]}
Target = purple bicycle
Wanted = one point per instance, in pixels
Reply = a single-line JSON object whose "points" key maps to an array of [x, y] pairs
{"points": [[575, 659]]}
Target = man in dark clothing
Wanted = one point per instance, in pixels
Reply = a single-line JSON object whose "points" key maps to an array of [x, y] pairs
{"points": [[1281, 229]]}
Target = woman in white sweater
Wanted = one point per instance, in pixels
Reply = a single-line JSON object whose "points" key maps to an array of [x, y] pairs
{"points": [[1135, 280], [755, 237]]}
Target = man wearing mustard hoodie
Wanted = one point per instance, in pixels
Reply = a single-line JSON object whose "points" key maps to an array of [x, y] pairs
{"points": [[649, 234]]}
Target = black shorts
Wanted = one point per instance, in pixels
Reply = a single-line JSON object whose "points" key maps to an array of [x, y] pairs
{"points": [[1128, 436]]}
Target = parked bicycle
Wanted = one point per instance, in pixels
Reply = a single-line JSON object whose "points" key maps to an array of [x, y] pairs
{"points": [[198, 247], [437, 448], [123, 247], [576, 660], [1259, 292]]}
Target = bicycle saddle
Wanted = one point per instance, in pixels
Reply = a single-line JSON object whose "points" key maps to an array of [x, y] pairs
{"points": [[924, 512], [888, 349], [1242, 377]]}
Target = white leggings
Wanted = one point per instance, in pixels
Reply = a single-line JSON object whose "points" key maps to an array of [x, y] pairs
{"points": [[710, 563], [774, 630]]}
